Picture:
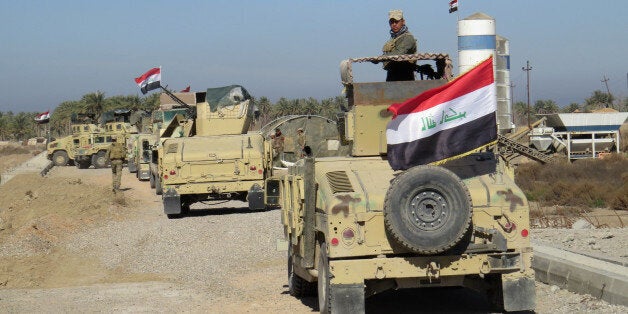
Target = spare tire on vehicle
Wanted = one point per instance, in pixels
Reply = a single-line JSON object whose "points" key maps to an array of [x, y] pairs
{"points": [[428, 209]]}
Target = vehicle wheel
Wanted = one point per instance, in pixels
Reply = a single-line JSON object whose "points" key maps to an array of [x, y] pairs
{"points": [[99, 160], [60, 158], [297, 286], [427, 209], [152, 180], [324, 286], [158, 189]]}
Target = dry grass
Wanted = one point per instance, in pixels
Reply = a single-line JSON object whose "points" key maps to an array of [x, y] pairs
{"points": [[13, 150], [589, 182]]}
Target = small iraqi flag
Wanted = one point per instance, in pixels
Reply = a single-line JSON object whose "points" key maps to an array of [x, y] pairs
{"points": [[43, 117], [185, 90], [149, 80], [453, 6], [444, 122]]}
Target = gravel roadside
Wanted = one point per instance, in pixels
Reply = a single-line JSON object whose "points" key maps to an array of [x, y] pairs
{"points": [[219, 260]]}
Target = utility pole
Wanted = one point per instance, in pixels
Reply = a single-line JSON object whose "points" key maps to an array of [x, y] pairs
{"points": [[610, 97], [528, 69]]}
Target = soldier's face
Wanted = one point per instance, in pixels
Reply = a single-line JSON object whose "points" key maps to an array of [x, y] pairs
{"points": [[395, 25]]}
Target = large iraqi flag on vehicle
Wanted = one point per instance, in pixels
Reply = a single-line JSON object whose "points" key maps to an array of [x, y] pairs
{"points": [[444, 122], [149, 80]]}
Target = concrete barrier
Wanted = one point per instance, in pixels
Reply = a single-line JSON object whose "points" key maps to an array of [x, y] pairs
{"points": [[581, 274], [38, 164]]}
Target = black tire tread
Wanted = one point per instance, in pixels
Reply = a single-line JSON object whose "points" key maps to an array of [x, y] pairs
{"points": [[401, 180]]}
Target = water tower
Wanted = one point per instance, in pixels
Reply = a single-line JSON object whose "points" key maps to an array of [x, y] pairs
{"points": [[476, 42]]}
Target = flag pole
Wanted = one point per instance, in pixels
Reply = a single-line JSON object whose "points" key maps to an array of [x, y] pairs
{"points": [[175, 98]]}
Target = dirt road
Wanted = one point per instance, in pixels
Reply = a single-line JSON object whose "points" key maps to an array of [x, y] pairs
{"points": [[68, 244]]}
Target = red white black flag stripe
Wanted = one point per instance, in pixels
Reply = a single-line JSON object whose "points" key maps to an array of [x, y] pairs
{"points": [[43, 117], [444, 122], [149, 80], [453, 6]]}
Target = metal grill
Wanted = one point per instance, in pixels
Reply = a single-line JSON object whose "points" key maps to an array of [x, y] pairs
{"points": [[339, 182]]}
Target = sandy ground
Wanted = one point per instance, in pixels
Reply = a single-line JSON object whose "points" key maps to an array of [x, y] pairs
{"points": [[68, 244]]}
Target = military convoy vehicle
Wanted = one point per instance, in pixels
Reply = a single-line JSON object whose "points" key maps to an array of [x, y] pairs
{"points": [[95, 153], [354, 227], [171, 120], [62, 151], [216, 158], [139, 157]]}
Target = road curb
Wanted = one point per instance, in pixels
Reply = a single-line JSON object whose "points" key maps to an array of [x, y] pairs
{"points": [[581, 274], [38, 164]]}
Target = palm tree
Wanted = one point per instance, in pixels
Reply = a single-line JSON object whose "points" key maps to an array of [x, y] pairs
{"points": [[598, 100], [522, 111], [545, 106], [264, 108], [94, 103], [22, 126], [4, 126], [571, 108]]}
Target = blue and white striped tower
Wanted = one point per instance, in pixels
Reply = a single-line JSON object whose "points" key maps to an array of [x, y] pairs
{"points": [[476, 40], [502, 82]]}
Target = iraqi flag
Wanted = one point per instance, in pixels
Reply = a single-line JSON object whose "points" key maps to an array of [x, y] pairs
{"points": [[185, 90], [43, 117], [149, 80], [453, 6], [444, 122]]}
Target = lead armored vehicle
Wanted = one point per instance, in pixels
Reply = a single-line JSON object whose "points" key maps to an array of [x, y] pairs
{"points": [[62, 151], [354, 227]]}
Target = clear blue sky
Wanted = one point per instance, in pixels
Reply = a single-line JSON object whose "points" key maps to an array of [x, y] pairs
{"points": [[53, 51]]}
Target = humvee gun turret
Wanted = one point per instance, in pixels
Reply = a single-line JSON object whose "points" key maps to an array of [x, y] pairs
{"points": [[354, 227]]}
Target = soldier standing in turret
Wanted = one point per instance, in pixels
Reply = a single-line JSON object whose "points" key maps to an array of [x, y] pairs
{"points": [[401, 42], [116, 154]]}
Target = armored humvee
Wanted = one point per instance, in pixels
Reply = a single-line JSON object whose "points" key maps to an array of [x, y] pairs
{"points": [[61, 152], [216, 158], [171, 120], [354, 227], [95, 153]]}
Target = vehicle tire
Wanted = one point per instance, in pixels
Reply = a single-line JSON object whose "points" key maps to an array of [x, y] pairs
{"points": [[427, 209], [158, 189], [100, 160], [297, 286], [60, 158], [152, 180], [324, 285]]}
